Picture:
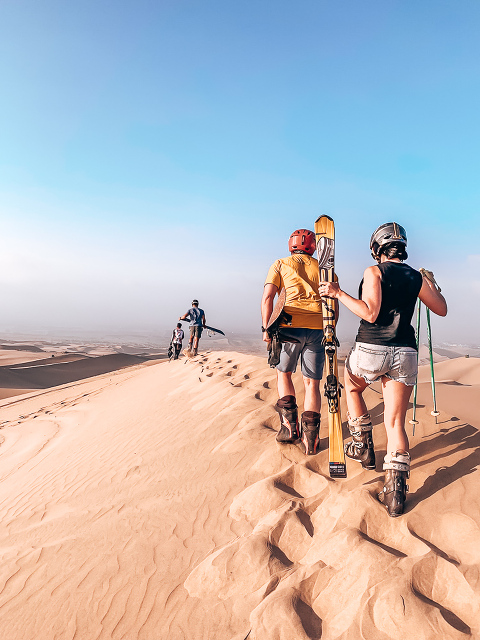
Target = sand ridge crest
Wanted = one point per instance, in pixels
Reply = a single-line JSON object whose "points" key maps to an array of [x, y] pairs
{"points": [[135, 502]]}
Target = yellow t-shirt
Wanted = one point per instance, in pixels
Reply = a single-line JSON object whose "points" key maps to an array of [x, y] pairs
{"points": [[299, 275]]}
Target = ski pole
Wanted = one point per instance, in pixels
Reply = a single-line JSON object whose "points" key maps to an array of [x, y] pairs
{"points": [[413, 421], [432, 374]]}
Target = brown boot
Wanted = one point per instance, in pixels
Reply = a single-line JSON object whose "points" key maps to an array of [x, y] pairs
{"points": [[288, 411], [394, 494], [310, 427], [360, 447]]}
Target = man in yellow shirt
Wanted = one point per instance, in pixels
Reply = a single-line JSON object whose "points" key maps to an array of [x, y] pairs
{"points": [[299, 275]]}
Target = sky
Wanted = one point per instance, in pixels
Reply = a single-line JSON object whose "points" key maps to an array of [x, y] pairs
{"points": [[155, 152]]}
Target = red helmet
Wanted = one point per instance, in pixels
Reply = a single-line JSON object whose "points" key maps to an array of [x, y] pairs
{"points": [[302, 240]]}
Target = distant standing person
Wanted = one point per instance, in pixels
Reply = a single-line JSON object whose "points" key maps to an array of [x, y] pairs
{"points": [[177, 339], [196, 317], [299, 275], [385, 349]]}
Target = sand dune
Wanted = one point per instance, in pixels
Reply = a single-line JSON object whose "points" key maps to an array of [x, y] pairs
{"points": [[424, 355], [461, 370], [9, 356], [154, 502], [18, 346], [52, 372]]}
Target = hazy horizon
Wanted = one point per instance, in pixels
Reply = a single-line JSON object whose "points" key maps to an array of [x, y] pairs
{"points": [[160, 338]]}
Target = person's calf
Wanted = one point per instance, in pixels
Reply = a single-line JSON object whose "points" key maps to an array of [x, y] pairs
{"points": [[313, 398]]}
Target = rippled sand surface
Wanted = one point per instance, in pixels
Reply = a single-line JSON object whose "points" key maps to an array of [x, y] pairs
{"points": [[153, 502]]}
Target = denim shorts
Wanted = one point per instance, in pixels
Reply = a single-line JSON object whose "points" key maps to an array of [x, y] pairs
{"points": [[372, 361], [309, 349], [196, 331]]}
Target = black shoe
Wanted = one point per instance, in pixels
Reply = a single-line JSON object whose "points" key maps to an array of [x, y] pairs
{"points": [[288, 411], [310, 440]]}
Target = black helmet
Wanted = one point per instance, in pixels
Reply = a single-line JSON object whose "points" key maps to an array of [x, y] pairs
{"points": [[386, 234], [195, 302]]}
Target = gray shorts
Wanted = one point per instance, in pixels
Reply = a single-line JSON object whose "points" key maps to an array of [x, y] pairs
{"points": [[309, 349], [372, 361], [196, 331]]}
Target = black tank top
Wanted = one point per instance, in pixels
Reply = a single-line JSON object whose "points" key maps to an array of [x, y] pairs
{"points": [[400, 288]]}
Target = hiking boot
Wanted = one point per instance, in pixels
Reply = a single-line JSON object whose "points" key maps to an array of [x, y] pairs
{"points": [[288, 411], [360, 447], [310, 440], [394, 494]]}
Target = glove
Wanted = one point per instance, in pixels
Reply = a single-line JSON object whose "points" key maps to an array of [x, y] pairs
{"points": [[429, 276]]}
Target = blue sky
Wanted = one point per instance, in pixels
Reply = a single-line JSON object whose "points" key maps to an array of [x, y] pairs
{"points": [[151, 152]]}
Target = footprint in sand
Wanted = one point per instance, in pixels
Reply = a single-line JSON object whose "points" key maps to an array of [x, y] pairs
{"points": [[238, 569], [270, 423], [282, 534], [294, 484], [442, 583], [133, 471]]}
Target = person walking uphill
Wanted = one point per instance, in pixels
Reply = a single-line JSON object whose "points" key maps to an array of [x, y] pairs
{"points": [[299, 275], [196, 317], [385, 349], [177, 339]]}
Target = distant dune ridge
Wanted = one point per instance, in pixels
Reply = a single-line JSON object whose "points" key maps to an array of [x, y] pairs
{"points": [[152, 501], [44, 374]]}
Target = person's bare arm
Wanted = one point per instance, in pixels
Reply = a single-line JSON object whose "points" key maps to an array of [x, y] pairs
{"points": [[369, 306], [269, 293], [184, 317], [431, 297]]}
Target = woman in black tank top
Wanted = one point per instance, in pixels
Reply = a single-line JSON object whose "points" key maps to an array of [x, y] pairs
{"points": [[385, 349]]}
